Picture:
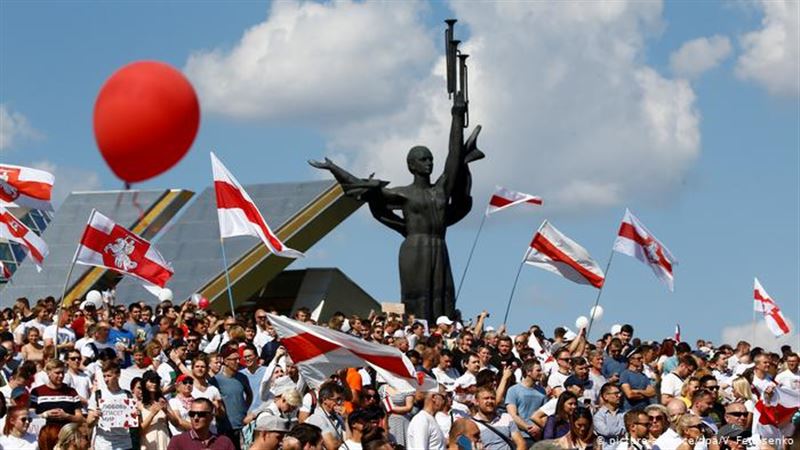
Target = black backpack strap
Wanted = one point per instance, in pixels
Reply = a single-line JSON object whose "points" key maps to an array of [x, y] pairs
{"points": [[497, 432]]}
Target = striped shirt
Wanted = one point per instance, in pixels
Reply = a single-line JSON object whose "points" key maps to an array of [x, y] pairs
{"points": [[45, 398]]}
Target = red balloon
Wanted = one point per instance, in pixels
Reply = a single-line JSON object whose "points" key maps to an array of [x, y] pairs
{"points": [[203, 303], [145, 119]]}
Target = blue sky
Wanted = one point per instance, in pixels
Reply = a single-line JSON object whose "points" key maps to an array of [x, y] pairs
{"points": [[680, 111]]}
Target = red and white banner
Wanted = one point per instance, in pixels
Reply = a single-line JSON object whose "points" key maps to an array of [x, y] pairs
{"points": [[764, 304], [677, 332], [505, 198], [320, 352], [5, 273], [238, 214], [552, 251], [779, 409], [25, 187], [109, 245], [14, 230], [635, 240]]}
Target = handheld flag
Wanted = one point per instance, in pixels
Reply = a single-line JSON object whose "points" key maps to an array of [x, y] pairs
{"points": [[635, 240], [109, 245], [12, 229], [505, 198], [25, 187], [552, 251], [238, 214]]}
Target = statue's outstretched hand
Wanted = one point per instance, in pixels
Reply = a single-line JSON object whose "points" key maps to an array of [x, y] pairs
{"points": [[326, 164]]}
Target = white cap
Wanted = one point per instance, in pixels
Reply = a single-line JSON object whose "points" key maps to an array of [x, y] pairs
{"points": [[443, 320], [615, 329], [489, 328], [268, 422], [282, 385], [399, 334]]}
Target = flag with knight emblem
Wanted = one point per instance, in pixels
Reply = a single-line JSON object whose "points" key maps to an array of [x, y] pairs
{"points": [[25, 187], [111, 246], [633, 239], [15, 231]]}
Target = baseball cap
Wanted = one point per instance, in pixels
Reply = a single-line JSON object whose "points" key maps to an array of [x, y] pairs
{"points": [[183, 377], [268, 422], [443, 320]]}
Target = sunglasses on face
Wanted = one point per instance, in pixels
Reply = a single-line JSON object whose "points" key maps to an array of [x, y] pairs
{"points": [[737, 414], [656, 418], [74, 358], [201, 414], [187, 381]]}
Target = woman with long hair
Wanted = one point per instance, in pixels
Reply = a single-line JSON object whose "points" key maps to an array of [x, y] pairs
{"points": [[559, 424], [742, 393], [689, 387], [15, 431], [154, 414], [33, 348], [580, 435], [73, 436]]}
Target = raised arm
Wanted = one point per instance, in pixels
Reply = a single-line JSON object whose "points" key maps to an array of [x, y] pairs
{"points": [[455, 153]]}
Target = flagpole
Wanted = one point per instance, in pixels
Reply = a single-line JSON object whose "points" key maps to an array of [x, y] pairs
{"points": [[599, 293], [469, 258], [63, 295], [513, 288], [227, 276]]}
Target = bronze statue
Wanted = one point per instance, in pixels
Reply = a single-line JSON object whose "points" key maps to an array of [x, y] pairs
{"points": [[426, 282]]}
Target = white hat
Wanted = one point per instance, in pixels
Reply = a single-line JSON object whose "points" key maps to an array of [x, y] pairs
{"points": [[282, 385], [569, 335], [616, 328], [399, 334], [443, 320], [268, 422], [489, 328]]}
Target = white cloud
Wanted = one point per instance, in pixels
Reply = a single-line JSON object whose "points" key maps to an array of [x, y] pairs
{"points": [[569, 109], [68, 179], [771, 55], [762, 337], [13, 127], [317, 61], [699, 55]]}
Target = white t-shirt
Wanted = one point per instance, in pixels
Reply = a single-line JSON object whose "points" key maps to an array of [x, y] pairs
{"points": [[424, 433], [556, 379], [26, 442], [447, 378], [115, 438], [788, 379], [183, 412], [671, 384], [211, 393], [549, 408], [351, 445], [128, 374], [445, 420], [216, 343], [64, 334], [40, 379], [81, 382]]}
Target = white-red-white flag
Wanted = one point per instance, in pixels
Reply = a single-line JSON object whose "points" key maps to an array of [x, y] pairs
{"points": [[25, 187], [503, 198], [238, 214], [13, 230], [5, 273], [633, 239], [552, 251], [320, 352], [109, 245], [677, 332]]}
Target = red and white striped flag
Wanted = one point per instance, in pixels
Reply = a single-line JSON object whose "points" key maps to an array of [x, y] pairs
{"points": [[14, 230], [677, 332], [109, 245], [5, 273], [25, 187], [505, 198], [238, 214], [320, 352], [763, 303], [552, 251], [635, 240]]}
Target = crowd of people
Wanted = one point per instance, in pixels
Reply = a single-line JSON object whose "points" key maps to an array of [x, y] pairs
{"points": [[175, 377]]}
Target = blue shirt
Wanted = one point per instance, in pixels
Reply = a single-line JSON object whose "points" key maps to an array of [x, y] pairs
{"points": [[125, 337], [636, 380], [526, 399], [254, 380], [233, 391], [612, 366]]}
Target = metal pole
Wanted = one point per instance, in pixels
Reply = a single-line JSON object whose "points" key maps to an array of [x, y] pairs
{"points": [[63, 295], [227, 276], [469, 258], [597, 300], [513, 288]]}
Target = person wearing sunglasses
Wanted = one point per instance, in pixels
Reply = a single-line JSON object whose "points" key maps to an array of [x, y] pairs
{"points": [[636, 425], [200, 437], [15, 431], [657, 416]]}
